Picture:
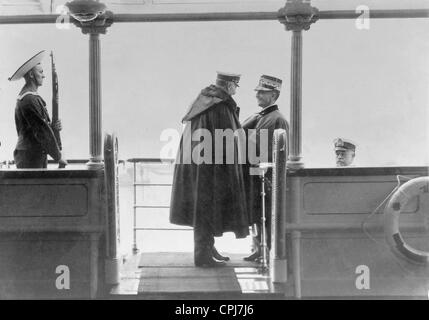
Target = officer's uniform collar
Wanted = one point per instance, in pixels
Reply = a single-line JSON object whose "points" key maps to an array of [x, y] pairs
{"points": [[268, 109]]}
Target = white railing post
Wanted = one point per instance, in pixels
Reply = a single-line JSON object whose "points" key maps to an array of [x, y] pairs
{"points": [[278, 263]]}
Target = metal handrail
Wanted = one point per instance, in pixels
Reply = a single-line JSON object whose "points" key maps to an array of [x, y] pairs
{"points": [[151, 207], [70, 161], [151, 160], [154, 184], [164, 229], [136, 184], [220, 16]]}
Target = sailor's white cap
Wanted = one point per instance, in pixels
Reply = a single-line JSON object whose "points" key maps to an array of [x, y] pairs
{"points": [[27, 66]]}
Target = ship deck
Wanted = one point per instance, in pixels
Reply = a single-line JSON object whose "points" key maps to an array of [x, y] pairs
{"points": [[172, 275]]}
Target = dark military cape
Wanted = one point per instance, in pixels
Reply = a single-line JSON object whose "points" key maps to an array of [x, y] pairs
{"points": [[33, 126], [271, 119], [212, 194]]}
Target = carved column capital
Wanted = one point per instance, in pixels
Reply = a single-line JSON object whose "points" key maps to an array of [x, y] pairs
{"points": [[98, 25], [298, 15]]}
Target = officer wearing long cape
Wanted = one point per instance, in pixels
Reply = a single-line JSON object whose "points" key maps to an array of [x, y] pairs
{"points": [[206, 195]]}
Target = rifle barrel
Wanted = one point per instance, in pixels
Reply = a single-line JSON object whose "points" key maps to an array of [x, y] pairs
{"points": [[55, 100]]}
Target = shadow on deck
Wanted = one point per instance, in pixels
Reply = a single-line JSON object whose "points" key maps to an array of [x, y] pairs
{"points": [[172, 275]]}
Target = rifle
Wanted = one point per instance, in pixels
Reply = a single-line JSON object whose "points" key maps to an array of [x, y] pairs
{"points": [[55, 100]]}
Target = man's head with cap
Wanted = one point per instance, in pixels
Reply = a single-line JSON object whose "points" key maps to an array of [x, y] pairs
{"points": [[344, 152], [31, 70], [228, 81], [268, 90]]}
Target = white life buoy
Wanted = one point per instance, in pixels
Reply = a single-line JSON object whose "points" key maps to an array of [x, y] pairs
{"points": [[392, 212]]}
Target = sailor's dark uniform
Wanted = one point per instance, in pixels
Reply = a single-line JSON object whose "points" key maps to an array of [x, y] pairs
{"points": [[36, 139]]}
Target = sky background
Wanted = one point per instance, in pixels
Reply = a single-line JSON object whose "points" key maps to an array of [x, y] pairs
{"points": [[370, 86]]}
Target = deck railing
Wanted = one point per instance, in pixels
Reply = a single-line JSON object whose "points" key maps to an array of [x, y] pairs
{"points": [[8, 163], [136, 206]]}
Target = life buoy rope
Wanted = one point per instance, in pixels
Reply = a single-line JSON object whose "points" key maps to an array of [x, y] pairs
{"points": [[392, 212]]}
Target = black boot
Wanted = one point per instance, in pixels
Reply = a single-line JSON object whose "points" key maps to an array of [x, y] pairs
{"points": [[203, 245], [203, 258], [209, 262], [254, 256], [256, 246], [218, 256]]}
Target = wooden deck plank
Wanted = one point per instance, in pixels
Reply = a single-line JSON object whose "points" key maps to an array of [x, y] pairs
{"points": [[178, 278], [186, 272], [185, 259], [190, 284]]}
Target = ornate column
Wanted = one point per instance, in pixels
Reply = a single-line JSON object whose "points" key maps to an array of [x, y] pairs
{"points": [[94, 26], [297, 15], [95, 133]]}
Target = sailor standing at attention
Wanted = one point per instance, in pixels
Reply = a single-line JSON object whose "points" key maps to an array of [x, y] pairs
{"points": [[36, 139]]}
